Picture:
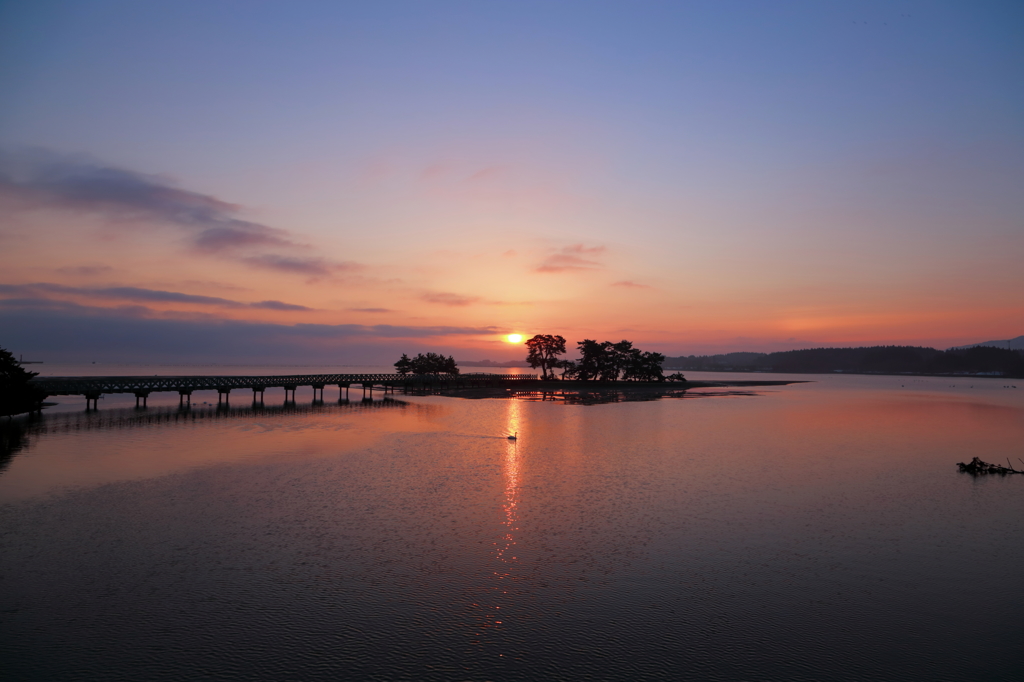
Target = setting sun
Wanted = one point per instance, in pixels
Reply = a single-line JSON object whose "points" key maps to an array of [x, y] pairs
{"points": [[514, 338]]}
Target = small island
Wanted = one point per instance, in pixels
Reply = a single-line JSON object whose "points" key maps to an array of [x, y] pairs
{"points": [[605, 372]]}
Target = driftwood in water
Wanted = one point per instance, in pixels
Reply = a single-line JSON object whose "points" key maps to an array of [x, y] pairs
{"points": [[978, 467]]}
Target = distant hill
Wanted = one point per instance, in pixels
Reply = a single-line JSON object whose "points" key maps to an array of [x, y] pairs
{"points": [[979, 360], [1013, 344], [725, 362]]}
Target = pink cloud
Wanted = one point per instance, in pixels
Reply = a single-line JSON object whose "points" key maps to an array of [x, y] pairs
{"points": [[579, 248], [631, 285], [571, 258], [445, 298]]}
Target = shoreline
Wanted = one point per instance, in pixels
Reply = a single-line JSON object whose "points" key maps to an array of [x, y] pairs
{"points": [[606, 389]]}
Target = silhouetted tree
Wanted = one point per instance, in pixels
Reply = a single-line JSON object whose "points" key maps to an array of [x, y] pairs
{"points": [[404, 364], [591, 360], [431, 363], [643, 366], [609, 361], [653, 366], [568, 368], [16, 394], [543, 349], [617, 359], [632, 363]]}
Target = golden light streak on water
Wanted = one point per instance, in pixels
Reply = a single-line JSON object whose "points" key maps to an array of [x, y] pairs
{"points": [[510, 469], [505, 546]]}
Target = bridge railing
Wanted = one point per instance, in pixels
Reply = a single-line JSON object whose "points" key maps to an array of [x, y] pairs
{"points": [[156, 384]]}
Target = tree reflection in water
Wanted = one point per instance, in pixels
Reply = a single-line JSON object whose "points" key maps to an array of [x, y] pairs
{"points": [[13, 438], [600, 396]]}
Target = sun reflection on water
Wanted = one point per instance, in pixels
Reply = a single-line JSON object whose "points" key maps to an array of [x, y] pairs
{"points": [[505, 546], [510, 469]]}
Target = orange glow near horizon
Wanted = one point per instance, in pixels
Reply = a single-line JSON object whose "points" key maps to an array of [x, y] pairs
{"points": [[102, 267]]}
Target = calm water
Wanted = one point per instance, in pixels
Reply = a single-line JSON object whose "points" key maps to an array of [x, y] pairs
{"points": [[811, 532]]}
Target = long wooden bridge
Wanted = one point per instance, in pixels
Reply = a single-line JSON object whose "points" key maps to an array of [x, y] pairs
{"points": [[93, 387]]}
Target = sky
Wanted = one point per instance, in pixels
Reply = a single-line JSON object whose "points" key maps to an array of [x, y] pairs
{"points": [[346, 181]]}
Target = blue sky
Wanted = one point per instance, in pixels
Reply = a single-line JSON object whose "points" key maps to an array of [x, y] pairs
{"points": [[726, 173]]}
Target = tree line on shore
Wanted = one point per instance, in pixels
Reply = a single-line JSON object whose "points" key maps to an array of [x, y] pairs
{"points": [[868, 360], [608, 361], [17, 395], [426, 363]]}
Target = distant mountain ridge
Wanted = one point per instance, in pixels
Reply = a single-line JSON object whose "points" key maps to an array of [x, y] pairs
{"points": [[974, 360], [1012, 344]]}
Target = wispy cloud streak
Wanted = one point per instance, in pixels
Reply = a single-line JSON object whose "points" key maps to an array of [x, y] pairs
{"points": [[62, 330], [46, 290], [313, 267], [446, 298], [38, 178], [300, 329]]}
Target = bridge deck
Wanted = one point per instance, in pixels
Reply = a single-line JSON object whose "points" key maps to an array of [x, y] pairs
{"points": [[182, 384]]}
